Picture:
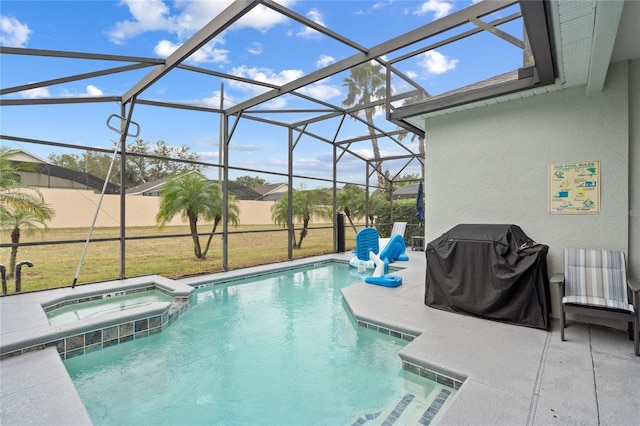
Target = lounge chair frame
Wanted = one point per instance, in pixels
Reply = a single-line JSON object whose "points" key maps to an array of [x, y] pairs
{"points": [[629, 313]]}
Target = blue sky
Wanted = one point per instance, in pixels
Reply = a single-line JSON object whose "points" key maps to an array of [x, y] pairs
{"points": [[263, 45]]}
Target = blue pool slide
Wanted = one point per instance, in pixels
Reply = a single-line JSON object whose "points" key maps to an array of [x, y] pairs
{"points": [[367, 240], [394, 250]]}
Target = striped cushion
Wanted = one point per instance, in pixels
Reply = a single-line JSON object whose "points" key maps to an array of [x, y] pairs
{"points": [[596, 278], [597, 302]]}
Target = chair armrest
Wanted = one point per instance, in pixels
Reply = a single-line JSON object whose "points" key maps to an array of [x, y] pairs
{"points": [[634, 286], [557, 279]]}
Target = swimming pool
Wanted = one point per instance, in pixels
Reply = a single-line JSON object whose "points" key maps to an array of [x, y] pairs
{"points": [[277, 349]]}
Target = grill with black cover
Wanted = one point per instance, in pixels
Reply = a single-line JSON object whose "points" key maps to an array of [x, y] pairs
{"points": [[492, 271]]}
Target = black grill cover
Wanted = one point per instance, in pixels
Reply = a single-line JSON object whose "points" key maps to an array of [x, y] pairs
{"points": [[492, 271]]}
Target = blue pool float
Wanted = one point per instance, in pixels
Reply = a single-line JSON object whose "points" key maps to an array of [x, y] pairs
{"points": [[378, 277], [385, 280]]}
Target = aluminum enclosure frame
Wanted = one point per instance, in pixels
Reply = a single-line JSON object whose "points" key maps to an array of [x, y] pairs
{"points": [[537, 41]]}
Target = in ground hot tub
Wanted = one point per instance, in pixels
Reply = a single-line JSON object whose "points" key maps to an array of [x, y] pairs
{"points": [[107, 303]]}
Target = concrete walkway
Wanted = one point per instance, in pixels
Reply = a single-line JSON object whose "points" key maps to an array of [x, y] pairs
{"points": [[512, 375]]}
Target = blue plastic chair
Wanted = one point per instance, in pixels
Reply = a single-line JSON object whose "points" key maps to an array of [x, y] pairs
{"points": [[367, 239]]}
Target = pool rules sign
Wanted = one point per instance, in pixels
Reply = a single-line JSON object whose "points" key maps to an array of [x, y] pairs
{"points": [[574, 188]]}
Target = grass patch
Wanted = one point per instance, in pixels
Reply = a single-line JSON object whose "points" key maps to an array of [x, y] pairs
{"points": [[55, 265]]}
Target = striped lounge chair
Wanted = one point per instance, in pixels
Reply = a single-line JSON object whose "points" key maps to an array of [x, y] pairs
{"points": [[595, 283]]}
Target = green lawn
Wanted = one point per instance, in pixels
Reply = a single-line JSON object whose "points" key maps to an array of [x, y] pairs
{"points": [[55, 265]]}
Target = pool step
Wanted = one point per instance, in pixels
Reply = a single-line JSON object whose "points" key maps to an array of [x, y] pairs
{"points": [[434, 408], [408, 411], [386, 417], [398, 410]]}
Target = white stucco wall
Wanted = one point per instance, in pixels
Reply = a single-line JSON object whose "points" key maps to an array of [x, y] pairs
{"points": [[490, 165]]}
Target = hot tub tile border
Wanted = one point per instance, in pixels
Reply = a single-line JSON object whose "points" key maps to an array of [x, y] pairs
{"points": [[63, 303], [114, 334]]}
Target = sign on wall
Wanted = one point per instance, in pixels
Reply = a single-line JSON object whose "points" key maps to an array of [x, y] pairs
{"points": [[574, 188]]}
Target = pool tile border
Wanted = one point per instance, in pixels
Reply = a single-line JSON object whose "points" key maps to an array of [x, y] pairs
{"points": [[386, 331], [430, 374], [425, 372]]}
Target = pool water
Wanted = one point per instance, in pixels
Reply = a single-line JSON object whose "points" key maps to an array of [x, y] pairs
{"points": [[94, 308], [272, 350]]}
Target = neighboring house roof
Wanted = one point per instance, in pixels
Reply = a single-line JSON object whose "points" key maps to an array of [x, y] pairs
{"points": [[91, 181], [149, 188], [407, 191], [271, 188], [25, 157], [276, 196], [241, 192]]}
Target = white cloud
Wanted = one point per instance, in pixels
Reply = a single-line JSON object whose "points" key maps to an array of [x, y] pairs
{"points": [[436, 63], [206, 54], [244, 146], [381, 4], [209, 156], [43, 92], [261, 17], [324, 61], [266, 75], [187, 18], [439, 8], [148, 15], [275, 103], [40, 92], [92, 91], [320, 91], [255, 48], [196, 14], [314, 15], [165, 48], [364, 152], [374, 7], [13, 33], [209, 54], [213, 101]]}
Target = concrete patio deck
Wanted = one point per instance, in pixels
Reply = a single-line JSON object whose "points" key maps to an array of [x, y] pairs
{"points": [[512, 375]]}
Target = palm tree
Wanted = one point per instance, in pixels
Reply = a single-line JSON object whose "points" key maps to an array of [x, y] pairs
{"points": [[29, 220], [367, 82], [10, 194], [307, 204], [377, 203], [195, 198], [21, 207], [351, 200]]}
